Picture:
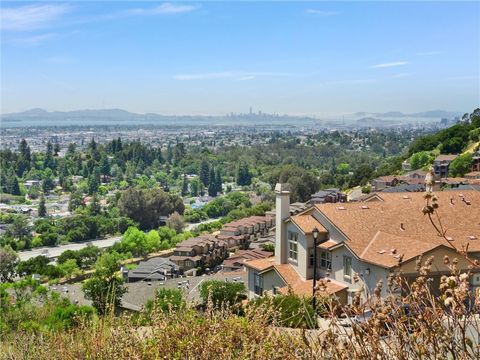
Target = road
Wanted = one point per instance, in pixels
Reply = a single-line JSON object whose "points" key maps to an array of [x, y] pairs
{"points": [[55, 251], [194, 225]]}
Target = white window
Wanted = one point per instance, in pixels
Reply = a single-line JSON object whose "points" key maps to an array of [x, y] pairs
{"points": [[347, 266], [258, 284], [188, 263], [326, 260], [292, 245]]}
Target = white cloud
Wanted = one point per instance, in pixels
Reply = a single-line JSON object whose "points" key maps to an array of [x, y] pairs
{"points": [[391, 64], [429, 53], [31, 17], [321, 12], [164, 9]]}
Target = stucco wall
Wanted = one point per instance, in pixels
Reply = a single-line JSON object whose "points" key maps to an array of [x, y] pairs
{"points": [[304, 243], [438, 261], [360, 268], [270, 279]]}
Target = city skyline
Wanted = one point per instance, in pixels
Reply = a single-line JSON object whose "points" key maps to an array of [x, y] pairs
{"points": [[312, 58]]}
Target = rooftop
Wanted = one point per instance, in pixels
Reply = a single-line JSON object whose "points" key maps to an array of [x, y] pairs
{"points": [[398, 221]]}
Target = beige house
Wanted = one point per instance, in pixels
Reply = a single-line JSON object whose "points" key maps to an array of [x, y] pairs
{"points": [[198, 252], [362, 243], [239, 233]]}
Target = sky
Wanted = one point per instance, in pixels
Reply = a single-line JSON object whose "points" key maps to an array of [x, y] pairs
{"points": [[313, 58]]}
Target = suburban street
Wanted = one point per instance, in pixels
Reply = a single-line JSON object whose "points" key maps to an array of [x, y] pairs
{"points": [[55, 251]]}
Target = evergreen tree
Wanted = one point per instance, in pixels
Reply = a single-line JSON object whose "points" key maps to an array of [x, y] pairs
{"points": [[42, 209], [11, 183], [56, 149], [104, 167], [212, 187], [94, 208], [204, 172], [49, 162], [244, 178], [71, 149], [24, 162], [94, 181], [185, 185], [218, 181]]}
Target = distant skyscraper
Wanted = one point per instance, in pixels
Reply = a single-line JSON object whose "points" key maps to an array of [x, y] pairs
{"points": [[251, 111]]}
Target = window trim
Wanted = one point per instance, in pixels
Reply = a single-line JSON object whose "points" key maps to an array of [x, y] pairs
{"points": [[258, 284], [292, 242], [327, 260], [345, 260]]}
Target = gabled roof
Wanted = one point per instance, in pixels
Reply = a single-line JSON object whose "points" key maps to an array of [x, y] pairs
{"points": [[398, 222], [261, 264], [307, 223]]}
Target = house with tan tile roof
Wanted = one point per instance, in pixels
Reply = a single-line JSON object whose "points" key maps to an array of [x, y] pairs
{"points": [[239, 233], [361, 243]]}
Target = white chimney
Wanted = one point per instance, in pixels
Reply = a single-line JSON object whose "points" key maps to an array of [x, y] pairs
{"points": [[282, 212]]}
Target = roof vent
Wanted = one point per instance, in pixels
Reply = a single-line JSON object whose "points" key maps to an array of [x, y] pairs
{"points": [[472, 237], [364, 207], [460, 195], [381, 252], [405, 197], [449, 238], [402, 226], [451, 200], [341, 208]]}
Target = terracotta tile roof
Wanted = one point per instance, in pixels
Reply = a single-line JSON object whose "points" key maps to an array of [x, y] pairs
{"points": [[399, 220], [387, 250], [261, 264], [303, 287], [307, 223], [327, 244], [241, 256]]}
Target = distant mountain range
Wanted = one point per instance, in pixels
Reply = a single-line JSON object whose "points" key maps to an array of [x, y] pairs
{"points": [[425, 114], [124, 115], [114, 117]]}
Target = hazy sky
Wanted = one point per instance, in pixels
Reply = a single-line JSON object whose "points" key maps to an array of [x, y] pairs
{"points": [[217, 57]]}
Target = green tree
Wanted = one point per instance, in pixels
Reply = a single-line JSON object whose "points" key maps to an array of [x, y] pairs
{"points": [[167, 300], [218, 180], [8, 263], [212, 187], [244, 177], [42, 209], [148, 206], [420, 160], [184, 185], [105, 288], [93, 181], [204, 172], [176, 222], [222, 293], [69, 268], [461, 165]]}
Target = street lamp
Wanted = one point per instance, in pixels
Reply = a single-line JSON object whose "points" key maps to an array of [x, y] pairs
{"points": [[315, 237]]}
